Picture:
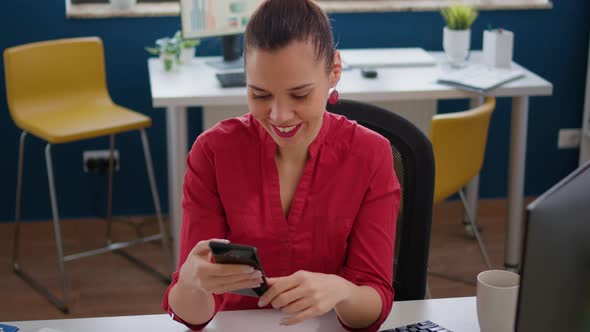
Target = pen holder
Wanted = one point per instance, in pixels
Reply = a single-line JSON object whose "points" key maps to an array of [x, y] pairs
{"points": [[497, 48]]}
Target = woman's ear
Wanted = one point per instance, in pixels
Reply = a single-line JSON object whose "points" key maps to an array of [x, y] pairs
{"points": [[336, 71]]}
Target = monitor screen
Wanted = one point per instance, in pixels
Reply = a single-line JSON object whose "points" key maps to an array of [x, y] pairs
{"points": [[586, 312], [555, 279], [208, 18]]}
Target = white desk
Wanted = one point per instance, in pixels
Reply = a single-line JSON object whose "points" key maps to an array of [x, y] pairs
{"points": [[196, 85], [456, 314]]}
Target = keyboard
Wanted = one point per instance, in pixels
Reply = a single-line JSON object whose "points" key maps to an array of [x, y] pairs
{"points": [[425, 326], [232, 79]]}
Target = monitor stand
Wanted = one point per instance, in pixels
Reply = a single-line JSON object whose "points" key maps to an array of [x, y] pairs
{"points": [[232, 56]]}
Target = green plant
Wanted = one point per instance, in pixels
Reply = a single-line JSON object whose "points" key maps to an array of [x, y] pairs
{"points": [[458, 16], [164, 46], [172, 47], [185, 42]]}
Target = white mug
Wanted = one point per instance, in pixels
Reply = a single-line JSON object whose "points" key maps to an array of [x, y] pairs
{"points": [[497, 294]]}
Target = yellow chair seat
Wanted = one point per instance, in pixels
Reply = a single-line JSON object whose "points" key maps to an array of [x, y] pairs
{"points": [[459, 143], [57, 91], [80, 122]]}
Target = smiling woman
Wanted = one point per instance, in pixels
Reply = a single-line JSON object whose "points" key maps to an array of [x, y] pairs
{"points": [[314, 192]]}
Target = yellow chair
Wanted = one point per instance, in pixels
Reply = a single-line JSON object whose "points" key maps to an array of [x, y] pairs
{"points": [[459, 143], [57, 91]]}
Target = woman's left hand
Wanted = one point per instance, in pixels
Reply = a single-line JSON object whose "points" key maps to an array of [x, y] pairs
{"points": [[304, 295]]}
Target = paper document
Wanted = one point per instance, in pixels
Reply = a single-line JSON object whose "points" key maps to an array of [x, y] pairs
{"points": [[480, 78]]}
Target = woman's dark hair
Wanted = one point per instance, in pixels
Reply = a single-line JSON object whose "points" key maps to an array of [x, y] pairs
{"points": [[276, 23]]}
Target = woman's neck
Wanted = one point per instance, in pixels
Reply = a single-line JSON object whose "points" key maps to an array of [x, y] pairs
{"points": [[298, 154], [293, 155]]}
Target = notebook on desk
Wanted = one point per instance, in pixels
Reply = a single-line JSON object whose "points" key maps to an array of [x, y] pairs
{"points": [[480, 78], [387, 57]]}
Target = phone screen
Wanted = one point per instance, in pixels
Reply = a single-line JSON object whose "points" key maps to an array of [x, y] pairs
{"points": [[230, 253]]}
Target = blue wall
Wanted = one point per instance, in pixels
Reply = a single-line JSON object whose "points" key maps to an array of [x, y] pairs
{"points": [[552, 43]]}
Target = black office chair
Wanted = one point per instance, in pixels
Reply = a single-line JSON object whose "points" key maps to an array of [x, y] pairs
{"points": [[414, 166]]}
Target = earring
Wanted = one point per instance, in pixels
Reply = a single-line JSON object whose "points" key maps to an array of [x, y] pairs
{"points": [[333, 97]]}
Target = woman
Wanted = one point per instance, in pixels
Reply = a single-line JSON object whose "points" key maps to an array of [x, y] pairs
{"points": [[313, 191]]}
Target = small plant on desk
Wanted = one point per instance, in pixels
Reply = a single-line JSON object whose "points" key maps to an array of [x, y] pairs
{"points": [[187, 47], [174, 50], [459, 17], [457, 32], [168, 50]]}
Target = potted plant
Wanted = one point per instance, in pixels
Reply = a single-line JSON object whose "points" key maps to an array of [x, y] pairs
{"points": [[168, 50], [175, 50], [457, 32], [122, 4], [187, 47]]}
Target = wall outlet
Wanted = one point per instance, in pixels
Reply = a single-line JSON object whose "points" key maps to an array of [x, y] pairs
{"points": [[97, 161], [569, 138]]}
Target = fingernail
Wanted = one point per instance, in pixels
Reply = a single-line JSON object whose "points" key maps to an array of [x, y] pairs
{"points": [[260, 304], [249, 269], [257, 274]]}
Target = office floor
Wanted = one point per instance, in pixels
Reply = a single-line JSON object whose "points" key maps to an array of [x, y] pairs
{"points": [[107, 285]]}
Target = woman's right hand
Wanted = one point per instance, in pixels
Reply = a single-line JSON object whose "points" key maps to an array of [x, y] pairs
{"points": [[199, 273]]}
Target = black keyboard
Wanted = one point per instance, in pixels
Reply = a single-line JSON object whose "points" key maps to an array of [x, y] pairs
{"points": [[425, 326], [232, 79]]}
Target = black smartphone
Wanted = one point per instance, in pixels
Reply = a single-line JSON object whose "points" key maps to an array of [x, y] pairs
{"points": [[230, 253]]}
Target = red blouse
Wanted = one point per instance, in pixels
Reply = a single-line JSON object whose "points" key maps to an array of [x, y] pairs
{"points": [[341, 220]]}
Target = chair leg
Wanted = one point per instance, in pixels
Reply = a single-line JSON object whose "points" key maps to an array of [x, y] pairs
{"points": [[471, 191], [60, 304], [482, 247], [167, 255], [118, 247], [109, 215], [17, 213], [56, 227], [470, 216]]}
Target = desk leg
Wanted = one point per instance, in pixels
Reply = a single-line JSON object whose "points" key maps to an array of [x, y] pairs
{"points": [[177, 145], [472, 188], [518, 135]]}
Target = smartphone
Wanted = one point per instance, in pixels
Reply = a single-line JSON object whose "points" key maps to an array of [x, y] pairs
{"points": [[230, 253]]}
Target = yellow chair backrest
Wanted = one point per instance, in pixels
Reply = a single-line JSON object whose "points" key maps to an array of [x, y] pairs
{"points": [[53, 75], [459, 142]]}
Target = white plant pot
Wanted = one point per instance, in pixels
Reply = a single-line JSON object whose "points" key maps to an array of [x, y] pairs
{"points": [[186, 55], [456, 44], [123, 4]]}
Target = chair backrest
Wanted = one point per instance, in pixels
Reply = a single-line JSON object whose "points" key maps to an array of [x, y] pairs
{"points": [[414, 166], [459, 143], [53, 75]]}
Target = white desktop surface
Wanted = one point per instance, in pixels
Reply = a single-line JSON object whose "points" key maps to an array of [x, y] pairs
{"points": [[195, 84], [456, 314]]}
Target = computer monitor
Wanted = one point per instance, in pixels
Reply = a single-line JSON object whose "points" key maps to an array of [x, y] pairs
{"points": [[555, 280], [225, 18]]}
